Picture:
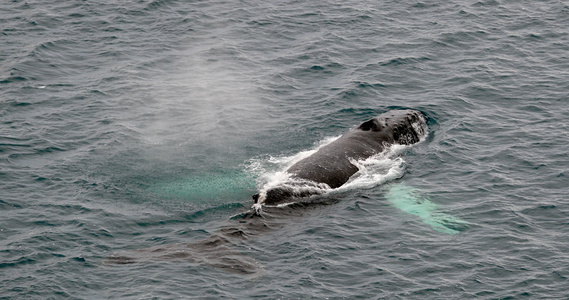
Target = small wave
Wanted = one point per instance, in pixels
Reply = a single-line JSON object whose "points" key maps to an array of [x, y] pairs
{"points": [[13, 79]]}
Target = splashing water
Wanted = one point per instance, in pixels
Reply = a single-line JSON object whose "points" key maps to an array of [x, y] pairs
{"points": [[378, 169]]}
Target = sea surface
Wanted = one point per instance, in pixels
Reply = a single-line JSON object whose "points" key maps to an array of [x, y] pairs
{"points": [[127, 125]]}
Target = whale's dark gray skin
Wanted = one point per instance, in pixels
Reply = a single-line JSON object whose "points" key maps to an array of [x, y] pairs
{"points": [[331, 166]]}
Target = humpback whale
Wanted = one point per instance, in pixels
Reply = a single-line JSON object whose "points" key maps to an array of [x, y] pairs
{"points": [[333, 165], [328, 168]]}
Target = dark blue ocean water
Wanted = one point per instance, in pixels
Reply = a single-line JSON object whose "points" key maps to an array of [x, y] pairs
{"points": [[127, 125]]}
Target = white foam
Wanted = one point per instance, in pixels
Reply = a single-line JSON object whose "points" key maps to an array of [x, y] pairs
{"points": [[271, 171], [378, 169]]}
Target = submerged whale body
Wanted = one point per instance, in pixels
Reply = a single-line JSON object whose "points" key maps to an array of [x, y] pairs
{"points": [[332, 165]]}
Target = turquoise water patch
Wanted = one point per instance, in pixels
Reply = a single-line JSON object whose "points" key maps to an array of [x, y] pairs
{"points": [[207, 187], [410, 200]]}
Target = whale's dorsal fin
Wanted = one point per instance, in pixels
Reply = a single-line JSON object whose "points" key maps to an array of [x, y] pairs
{"points": [[372, 125]]}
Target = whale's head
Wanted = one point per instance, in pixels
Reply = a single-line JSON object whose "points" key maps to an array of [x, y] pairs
{"points": [[404, 127], [407, 126]]}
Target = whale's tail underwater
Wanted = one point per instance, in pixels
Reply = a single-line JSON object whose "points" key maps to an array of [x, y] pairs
{"points": [[303, 187]]}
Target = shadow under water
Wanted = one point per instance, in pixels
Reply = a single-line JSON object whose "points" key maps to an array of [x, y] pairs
{"points": [[220, 249]]}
